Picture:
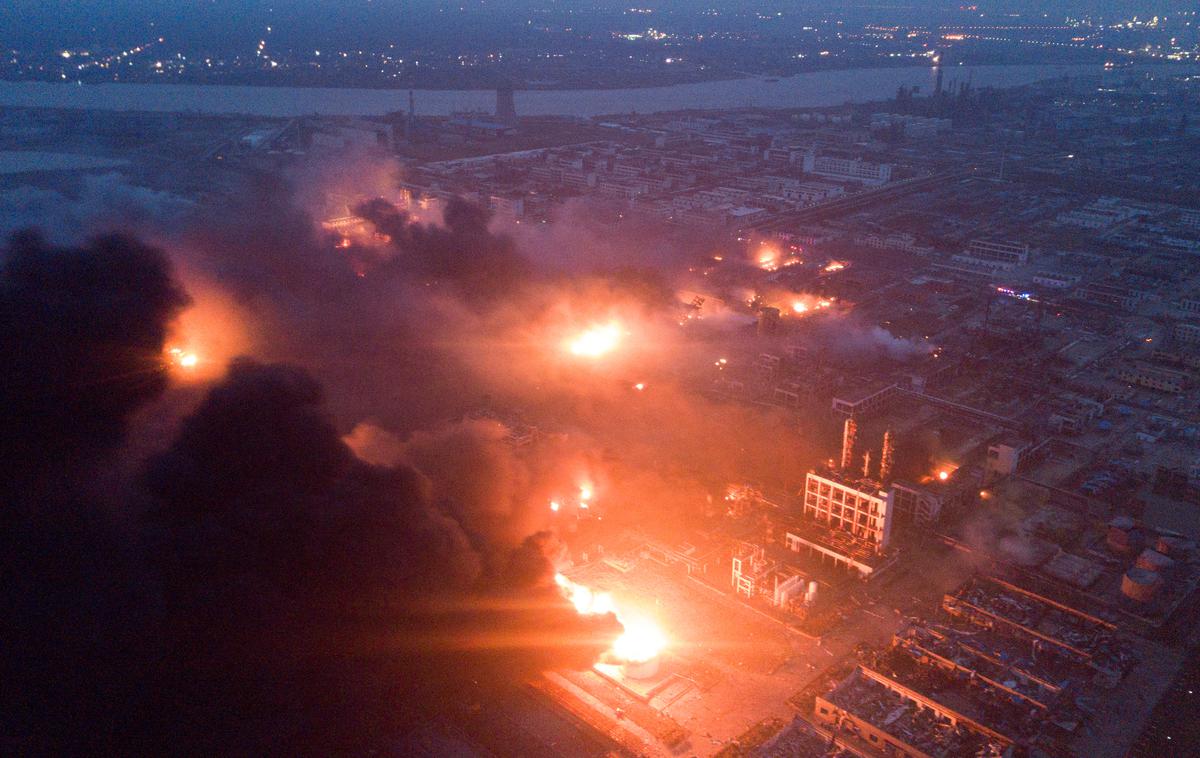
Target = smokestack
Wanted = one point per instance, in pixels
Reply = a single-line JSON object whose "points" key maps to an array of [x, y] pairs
{"points": [[849, 435], [887, 457], [409, 122], [506, 109], [867, 465]]}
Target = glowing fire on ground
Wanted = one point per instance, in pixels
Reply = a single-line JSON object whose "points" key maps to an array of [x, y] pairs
{"points": [[771, 259], [642, 639], [185, 359], [768, 259], [596, 341], [800, 306]]}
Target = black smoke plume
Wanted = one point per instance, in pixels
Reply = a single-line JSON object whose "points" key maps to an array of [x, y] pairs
{"points": [[461, 251], [314, 600], [82, 332]]}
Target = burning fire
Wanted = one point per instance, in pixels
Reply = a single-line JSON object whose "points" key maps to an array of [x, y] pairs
{"points": [[642, 638], [771, 259], [641, 641], [180, 358], [596, 341], [945, 471], [807, 304], [834, 266], [205, 336], [768, 259]]}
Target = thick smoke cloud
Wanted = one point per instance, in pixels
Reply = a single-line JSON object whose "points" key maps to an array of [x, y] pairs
{"points": [[103, 203], [854, 342], [295, 596], [282, 595], [310, 594], [82, 332], [461, 250]]}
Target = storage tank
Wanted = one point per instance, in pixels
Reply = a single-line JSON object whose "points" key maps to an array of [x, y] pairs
{"points": [[1152, 560], [1171, 546], [1118, 535], [646, 669], [1140, 585]]}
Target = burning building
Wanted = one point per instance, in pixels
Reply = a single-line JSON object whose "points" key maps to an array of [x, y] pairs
{"points": [[922, 502], [844, 521]]}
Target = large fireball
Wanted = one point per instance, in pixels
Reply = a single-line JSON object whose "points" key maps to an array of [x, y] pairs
{"points": [[596, 341], [641, 641], [642, 638]]}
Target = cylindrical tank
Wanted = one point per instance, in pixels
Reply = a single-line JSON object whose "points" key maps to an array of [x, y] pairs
{"points": [[1170, 546], [1140, 585], [1118, 535], [1152, 560], [646, 669]]}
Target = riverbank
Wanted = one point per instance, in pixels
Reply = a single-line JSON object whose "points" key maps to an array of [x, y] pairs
{"points": [[813, 89]]}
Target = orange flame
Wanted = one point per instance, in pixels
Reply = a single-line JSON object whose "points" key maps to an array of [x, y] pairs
{"points": [[596, 341], [642, 638]]}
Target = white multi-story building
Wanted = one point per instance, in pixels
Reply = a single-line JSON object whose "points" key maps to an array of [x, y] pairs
{"points": [[1154, 377], [993, 256], [1102, 213], [847, 168], [1055, 280], [914, 127], [1189, 305], [860, 508], [1186, 332], [845, 522]]}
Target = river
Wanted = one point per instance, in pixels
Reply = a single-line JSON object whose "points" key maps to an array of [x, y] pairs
{"points": [[813, 89]]}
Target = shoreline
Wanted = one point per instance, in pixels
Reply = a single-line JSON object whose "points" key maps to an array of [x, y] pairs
{"points": [[813, 89], [763, 77]]}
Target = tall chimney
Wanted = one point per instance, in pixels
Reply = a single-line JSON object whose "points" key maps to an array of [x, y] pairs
{"points": [[887, 458], [849, 435], [411, 119]]}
